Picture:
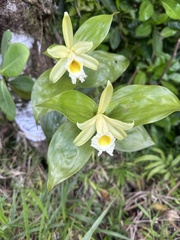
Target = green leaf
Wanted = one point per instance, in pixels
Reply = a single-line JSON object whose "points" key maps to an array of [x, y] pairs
{"points": [[76, 106], [157, 43], [44, 89], [137, 139], [114, 234], [159, 18], [175, 77], [143, 30], [115, 38], [167, 32], [111, 67], [94, 30], [172, 8], [7, 36], [143, 104], [14, 60], [140, 78], [170, 86], [109, 5], [50, 122], [6, 102], [22, 86], [174, 25], [146, 10], [64, 158]]}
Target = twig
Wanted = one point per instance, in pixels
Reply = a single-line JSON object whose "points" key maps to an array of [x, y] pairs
{"points": [[133, 76], [171, 59], [174, 188]]}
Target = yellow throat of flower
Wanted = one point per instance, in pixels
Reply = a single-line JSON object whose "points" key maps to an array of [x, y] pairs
{"points": [[104, 140], [75, 66]]}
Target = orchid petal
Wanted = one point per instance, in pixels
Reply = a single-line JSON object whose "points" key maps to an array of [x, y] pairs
{"points": [[117, 133], [87, 123], [67, 31], [58, 51], [58, 70], [105, 98], [89, 61], [118, 124], [101, 125], [84, 135], [82, 47]]}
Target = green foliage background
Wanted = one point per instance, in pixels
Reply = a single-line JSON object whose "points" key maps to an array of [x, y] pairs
{"points": [[147, 33]]}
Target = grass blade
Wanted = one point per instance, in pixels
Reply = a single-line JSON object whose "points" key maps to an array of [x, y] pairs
{"points": [[96, 224]]}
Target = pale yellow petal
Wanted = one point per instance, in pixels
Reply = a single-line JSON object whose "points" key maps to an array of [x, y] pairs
{"points": [[101, 125], [117, 127], [58, 70], [118, 124], [90, 122], [67, 30], [82, 47], [58, 51], [84, 136], [89, 61], [105, 98], [117, 133]]}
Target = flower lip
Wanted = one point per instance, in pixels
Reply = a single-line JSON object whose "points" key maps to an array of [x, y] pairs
{"points": [[103, 142], [74, 66], [75, 69]]}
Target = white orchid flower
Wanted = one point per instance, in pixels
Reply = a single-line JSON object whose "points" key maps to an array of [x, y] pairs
{"points": [[108, 129], [71, 57]]}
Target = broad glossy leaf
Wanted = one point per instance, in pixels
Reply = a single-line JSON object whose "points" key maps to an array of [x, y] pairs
{"points": [[6, 102], [115, 37], [137, 139], [7, 36], [50, 122], [15, 59], [44, 89], [64, 158], [175, 77], [146, 10], [22, 86], [140, 78], [95, 29], [159, 18], [76, 106], [143, 104], [111, 67], [172, 8], [109, 5], [143, 30], [168, 32], [174, 25]]}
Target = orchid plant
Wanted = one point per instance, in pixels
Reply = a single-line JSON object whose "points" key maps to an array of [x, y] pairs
{"points": [[108, 129], [74, 124]]}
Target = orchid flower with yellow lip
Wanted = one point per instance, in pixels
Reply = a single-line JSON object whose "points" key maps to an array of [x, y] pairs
{"points": [[108, 129], [72, 57]]}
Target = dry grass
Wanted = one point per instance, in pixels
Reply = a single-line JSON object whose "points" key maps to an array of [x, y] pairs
{"points": [[141, 211]]}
